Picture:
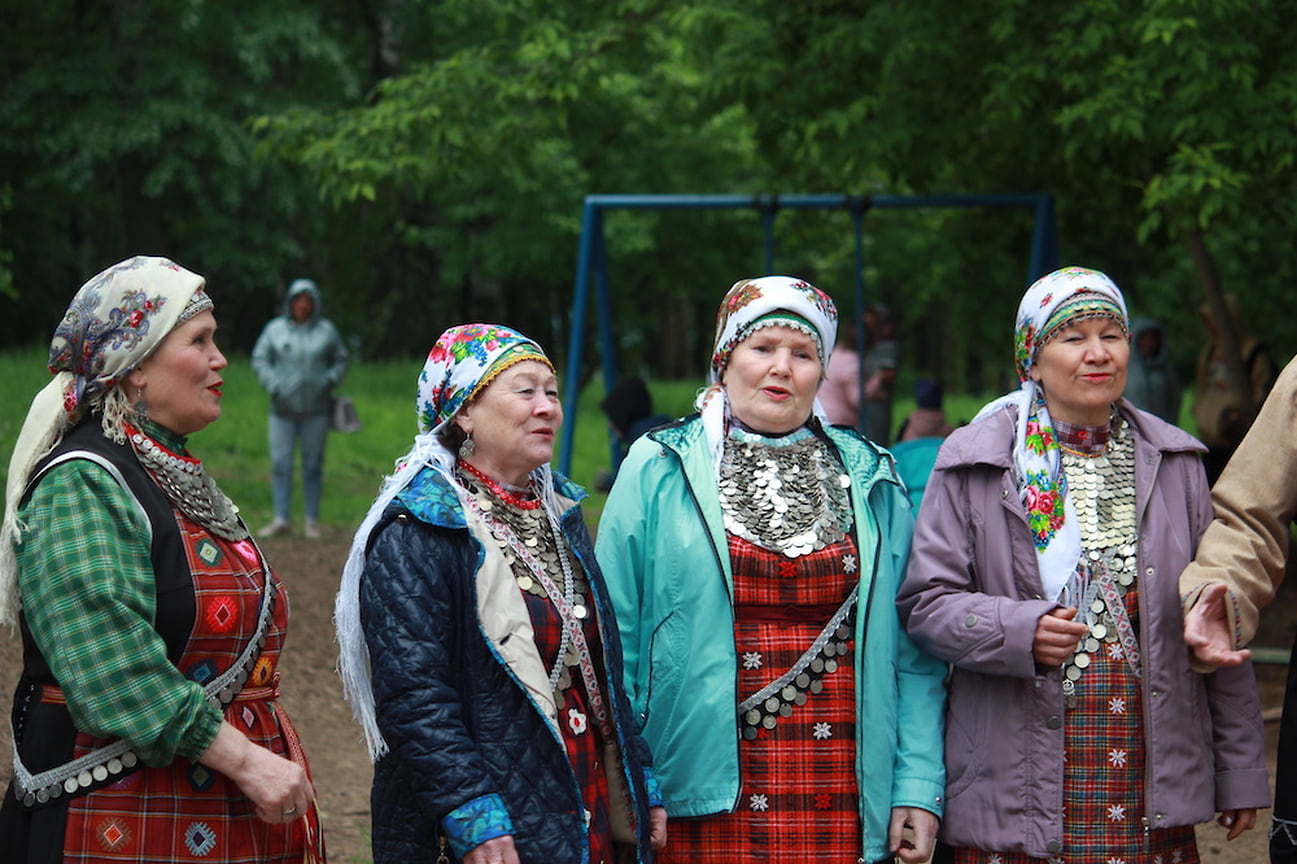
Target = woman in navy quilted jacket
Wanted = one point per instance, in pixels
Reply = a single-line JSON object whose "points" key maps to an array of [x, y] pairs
{"points": [[478, 646]]}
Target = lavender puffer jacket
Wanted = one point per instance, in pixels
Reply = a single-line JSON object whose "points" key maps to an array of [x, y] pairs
{"points": [[972, 596]]}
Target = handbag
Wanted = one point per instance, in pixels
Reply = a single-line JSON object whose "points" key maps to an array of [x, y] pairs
{"points": [[621, 819], [343, 416]]}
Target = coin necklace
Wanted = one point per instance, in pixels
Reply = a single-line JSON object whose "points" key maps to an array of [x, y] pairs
{"points": [[570, 606], [188, 486], [784, 494], [1102, 489]]}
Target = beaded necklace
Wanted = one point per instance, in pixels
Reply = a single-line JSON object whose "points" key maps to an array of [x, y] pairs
{"points": [[516, 496], [534, 547]]}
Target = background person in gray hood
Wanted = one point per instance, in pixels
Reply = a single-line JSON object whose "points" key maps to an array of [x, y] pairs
{"points": [[1151, 381], [299, 358]]}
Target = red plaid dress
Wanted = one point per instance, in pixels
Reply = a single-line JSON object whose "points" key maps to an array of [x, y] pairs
{"points": [[1103, 781], [185, 811], [798, 801], [581, 734]]}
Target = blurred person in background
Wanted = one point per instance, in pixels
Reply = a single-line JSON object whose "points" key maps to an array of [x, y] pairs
{"points": [[1151, 380], [299, 358]]}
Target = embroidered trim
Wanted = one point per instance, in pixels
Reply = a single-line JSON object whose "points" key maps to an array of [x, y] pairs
{"points": [[103, 764], [777, 699]]}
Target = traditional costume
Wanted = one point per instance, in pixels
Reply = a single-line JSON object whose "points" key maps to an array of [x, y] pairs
{"points": [[753, 576], [148, 614], [1110, 757], [475, 647]]}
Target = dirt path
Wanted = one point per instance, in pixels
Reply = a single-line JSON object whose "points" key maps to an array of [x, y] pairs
{"points": [[313, 698]]}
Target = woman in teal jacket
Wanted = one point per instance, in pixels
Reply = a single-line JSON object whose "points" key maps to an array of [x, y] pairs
{"points": [[753, 555]]}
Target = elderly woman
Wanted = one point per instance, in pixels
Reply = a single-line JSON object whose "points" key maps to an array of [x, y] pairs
{"points": [[1045, 564], [753, 556], [145, 721], [477, 638]]}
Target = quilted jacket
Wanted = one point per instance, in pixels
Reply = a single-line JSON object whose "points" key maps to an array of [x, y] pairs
{"points": [[475, 751]]}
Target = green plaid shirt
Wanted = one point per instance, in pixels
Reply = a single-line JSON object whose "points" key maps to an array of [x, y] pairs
{"points": [[86, 581]]}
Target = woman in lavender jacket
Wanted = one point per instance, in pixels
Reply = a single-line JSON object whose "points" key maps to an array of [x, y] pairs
{"points": [[1044, 569]]}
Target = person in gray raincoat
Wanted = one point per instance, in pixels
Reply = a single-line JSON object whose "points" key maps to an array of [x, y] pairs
{"points": [[299, 358]]}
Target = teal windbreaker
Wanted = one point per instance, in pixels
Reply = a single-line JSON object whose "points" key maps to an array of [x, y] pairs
{"points": [[662, 547]]}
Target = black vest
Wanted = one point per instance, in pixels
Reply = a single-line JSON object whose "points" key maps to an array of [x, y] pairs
{"points": [[174, 605]]}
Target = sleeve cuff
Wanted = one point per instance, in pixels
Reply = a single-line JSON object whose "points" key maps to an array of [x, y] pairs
{"points": [[654, 788], [923, 794], [472, 824], [201, 735], [1189, 600]]}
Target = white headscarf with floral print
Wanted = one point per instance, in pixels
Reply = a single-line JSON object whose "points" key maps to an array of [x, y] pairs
{"points": [[749, 305], [112, 325], [463, 362], [1052, 302]]}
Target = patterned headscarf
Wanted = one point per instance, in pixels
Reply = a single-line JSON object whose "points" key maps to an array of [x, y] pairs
{"points": [[112, 325], [1055, 301], [750, 305], [464, 360]]}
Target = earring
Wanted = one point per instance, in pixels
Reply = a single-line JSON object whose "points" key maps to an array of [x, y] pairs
{"points": [[141, 407], [467, 448]]}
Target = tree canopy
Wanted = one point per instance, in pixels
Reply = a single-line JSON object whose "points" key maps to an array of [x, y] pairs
{"points": [[426, 162]]}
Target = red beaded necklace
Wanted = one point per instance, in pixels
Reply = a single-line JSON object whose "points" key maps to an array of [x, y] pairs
{"points": [[511, 495]]}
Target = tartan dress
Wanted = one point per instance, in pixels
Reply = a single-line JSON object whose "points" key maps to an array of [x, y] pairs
{"points": [[581, 734], [207, 607], [185, 811], [798, 801]]}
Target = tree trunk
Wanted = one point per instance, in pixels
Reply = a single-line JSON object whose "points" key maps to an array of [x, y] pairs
{"points": [[1226, 329]]}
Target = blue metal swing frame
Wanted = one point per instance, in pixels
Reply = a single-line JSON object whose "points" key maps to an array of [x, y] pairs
{"points": [[592, 260]]}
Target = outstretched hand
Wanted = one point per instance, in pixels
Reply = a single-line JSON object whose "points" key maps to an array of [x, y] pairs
{"points": [[1207, 630]]}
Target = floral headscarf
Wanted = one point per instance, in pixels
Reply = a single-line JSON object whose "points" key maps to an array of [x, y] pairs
{"points": [[750, 305], [754, 303], [464, 360], [112, 325], [1063, 297]]}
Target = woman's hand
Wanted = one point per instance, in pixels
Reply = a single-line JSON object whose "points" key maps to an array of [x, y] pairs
{"points": [[1207, 631], [658, 827], [1057, 636], [497, 850], [1237, 821], [277, 787], [922, 824]]}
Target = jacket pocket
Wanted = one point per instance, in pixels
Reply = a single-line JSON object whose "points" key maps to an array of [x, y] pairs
{"points": [[666, 659]]}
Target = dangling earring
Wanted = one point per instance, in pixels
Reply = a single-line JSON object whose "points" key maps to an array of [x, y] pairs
{"points": [[141, 407], [467, 448]]}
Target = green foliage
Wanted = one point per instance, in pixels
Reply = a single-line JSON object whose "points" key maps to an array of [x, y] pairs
{"points": [[427, 162]]}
